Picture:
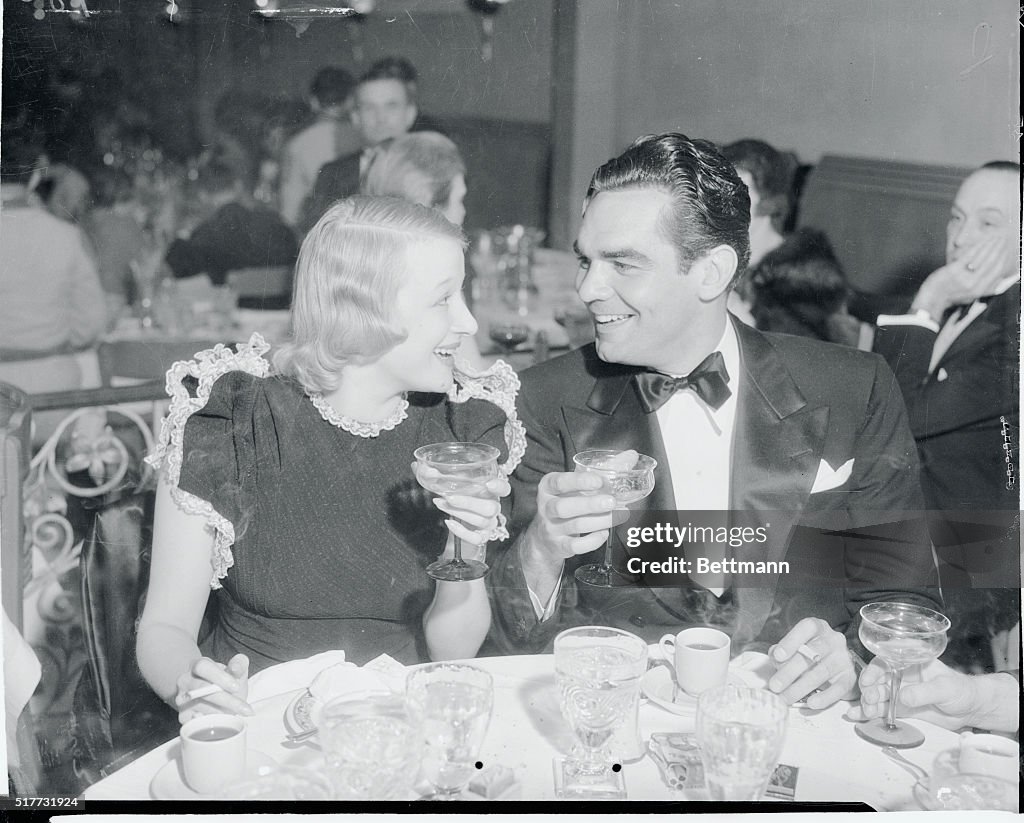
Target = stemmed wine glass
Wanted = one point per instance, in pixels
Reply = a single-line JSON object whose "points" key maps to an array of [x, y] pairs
{"points": [[598, 670], [452, 703], [626, 485], [463, 468], [509, 335], [902, 635]]}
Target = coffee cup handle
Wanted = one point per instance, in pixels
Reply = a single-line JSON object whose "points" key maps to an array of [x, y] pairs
{"points": [[667, 644]]}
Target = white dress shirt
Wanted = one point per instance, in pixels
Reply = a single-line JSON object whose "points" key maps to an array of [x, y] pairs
{"points": [[698, 444]]}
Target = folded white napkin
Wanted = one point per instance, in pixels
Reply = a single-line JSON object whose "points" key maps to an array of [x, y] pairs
{"points": [[287, 677], [327, 675]]}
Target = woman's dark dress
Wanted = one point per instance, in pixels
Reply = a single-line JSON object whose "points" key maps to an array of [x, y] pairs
{"points": [[332, 533]]}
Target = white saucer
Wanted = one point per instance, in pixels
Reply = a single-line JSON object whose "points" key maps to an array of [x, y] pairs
{"points": [[659, 687], [169, 782]]}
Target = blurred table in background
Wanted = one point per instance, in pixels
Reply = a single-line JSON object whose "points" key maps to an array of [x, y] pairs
{"points": [[514, 284]]}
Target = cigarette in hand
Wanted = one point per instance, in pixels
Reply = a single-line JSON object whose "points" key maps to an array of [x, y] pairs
{"points": [[202, 691]]}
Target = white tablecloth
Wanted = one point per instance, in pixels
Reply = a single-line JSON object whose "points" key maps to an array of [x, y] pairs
{"points": [[527, 732]]}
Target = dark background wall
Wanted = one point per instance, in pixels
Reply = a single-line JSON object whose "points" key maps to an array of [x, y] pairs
{"points": [[928, 81]]}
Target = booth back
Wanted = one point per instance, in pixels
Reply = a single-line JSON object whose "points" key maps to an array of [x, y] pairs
{"points": [[887, 222], [507, 170]]}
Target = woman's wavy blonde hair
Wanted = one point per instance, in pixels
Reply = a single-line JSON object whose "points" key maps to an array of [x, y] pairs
{"points": [[350, 268]]}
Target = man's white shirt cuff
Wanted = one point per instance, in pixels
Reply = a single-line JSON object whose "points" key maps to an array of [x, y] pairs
{"points": [[544, 612], [919, 318]]}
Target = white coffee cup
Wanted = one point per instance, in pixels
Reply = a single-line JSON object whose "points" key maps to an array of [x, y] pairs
{"points": [[699, 656], [989, 754], [213, 750]]}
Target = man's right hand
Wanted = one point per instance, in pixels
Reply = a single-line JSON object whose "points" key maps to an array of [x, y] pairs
{"points": [[574, 516], [974, 274]]}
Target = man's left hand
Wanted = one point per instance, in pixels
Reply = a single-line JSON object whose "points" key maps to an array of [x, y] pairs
{"points": [[813, 656]]}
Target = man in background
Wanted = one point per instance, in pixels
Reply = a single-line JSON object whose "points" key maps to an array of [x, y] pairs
{"points": [[956, 357], [331, 135], [237, 234], [51, 300], [385, 108]]}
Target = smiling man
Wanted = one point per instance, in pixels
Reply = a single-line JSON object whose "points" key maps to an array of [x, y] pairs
{"points": [[799, 430]]}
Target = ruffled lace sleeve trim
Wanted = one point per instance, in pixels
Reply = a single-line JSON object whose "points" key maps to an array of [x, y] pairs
{"points": [[499, 385], [206, 368]]}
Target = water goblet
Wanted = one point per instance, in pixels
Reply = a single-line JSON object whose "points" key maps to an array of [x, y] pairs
{"points": [[509, 335], [464, 468], [452, 704], [740, 731], [598, 670], [626, 486], [902, 635], [365, 738]]}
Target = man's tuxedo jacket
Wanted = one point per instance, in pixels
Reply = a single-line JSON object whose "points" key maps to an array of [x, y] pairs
{"points": [[965, 414], [802, 405]]}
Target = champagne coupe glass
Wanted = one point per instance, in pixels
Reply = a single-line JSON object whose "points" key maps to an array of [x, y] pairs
{"points": [[452, 703], [598, 670], [464, 469], [365, 738], [902, 635], [740, 730], [626, 486], [509, 335]]}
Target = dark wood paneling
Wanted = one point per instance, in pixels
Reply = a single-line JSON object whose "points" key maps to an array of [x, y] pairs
{"points": [[887, 221], [507, 169]]}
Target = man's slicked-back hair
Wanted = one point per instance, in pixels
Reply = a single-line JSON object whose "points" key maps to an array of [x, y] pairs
{"points": [[350, 268], [710, 204]]}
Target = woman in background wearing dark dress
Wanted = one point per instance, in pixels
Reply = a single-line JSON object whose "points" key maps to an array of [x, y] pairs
{"points": [[289, 492]]}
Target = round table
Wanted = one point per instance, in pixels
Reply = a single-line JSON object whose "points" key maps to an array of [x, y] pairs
{"points": [[527, 732]]}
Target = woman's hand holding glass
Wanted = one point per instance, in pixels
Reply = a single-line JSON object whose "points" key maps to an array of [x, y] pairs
{"points": [[232, 682], [472, 518], [466, 477]]}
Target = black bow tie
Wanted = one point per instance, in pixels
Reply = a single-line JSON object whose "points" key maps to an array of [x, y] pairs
{"points": [[710, 380]]}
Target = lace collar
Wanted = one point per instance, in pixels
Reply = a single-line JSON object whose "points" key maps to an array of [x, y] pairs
{"points": [[356, 427]]}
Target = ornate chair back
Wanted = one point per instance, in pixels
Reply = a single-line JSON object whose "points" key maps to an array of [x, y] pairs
{"points": [[15, 455], [127, 361]]}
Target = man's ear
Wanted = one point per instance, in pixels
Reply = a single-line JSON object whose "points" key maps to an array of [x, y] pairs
{"points": [[714, 272]]}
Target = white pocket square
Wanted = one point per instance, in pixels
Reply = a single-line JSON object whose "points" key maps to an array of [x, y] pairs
{"points": [[829, 478]]}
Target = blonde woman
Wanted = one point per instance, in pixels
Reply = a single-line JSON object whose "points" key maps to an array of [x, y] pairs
{"points": [[287, 490]]}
